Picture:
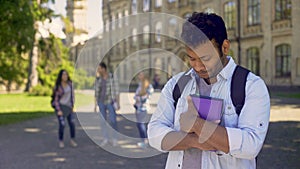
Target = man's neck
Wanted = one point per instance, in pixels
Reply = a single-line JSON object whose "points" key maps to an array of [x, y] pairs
{"points": [[210, 80]]}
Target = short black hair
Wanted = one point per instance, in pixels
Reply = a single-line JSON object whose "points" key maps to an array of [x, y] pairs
{"points": [[103, 65], [201, 27]]}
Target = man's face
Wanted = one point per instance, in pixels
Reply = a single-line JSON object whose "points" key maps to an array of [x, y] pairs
{"points": [[101, 70], [205, 60]]}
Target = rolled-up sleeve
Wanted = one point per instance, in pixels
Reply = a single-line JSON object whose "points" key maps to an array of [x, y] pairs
{"points": [[162, 120], [235, 138], [247, 139]]}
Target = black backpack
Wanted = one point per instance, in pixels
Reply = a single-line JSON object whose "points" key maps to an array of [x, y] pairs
{"points": [[238, 84]]}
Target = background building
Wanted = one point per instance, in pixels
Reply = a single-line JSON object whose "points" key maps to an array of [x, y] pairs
{"points": [[77, 14], [263, 35]]}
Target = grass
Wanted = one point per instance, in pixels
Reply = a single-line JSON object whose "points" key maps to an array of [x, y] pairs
{"points": [[24, 103], [20, 107], [83, 99], [289, 95], [15, 117]]}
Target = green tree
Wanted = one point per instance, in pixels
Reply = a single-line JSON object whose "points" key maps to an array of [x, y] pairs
{"points": [[16, 36], [40, 14], [12, 68], [24, 52], [16, 23], [82, 80], [53, 56]]}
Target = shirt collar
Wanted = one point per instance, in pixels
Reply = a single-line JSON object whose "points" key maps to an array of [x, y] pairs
{"points": [[190, 72]]}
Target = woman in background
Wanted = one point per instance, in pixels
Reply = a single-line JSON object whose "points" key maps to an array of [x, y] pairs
{"points": [[141, 105], [64, 104]]}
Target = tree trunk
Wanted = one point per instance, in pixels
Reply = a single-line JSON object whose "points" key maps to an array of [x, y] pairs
{"points": [[8, 86], [33, 63]]}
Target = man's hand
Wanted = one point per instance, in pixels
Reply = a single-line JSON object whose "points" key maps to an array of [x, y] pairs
{"points": [[196, 144], [188, 119], [117, 106], [95, 108]]}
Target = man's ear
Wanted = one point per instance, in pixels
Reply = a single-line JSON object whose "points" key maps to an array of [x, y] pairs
{"points": [[226, 47]]}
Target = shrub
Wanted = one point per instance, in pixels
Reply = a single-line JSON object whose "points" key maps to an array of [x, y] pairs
{"points": [[40, 90]]}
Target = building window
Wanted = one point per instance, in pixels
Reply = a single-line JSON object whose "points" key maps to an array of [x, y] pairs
{"points": [[172, 27], [113, 23], [170, 1], [253, 12], [158, 3], [133, 7], [158, 28], [283, 60], [253, 60], [283, 9], [134, 37], [183, 2], [120, 20], [107, 25], [146, 6], [126, 13], [146, 30], [230, 15]]}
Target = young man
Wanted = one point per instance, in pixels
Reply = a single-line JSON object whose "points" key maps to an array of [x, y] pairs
{"points": [[106, 91], [191, 141]]}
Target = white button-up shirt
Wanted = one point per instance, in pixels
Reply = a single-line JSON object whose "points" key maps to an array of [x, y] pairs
{"points": [[246, 132]]}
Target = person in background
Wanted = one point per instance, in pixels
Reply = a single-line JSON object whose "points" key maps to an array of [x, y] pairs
{"points": [[107, 98], [64, 104], [141, 97], [156, 80]]}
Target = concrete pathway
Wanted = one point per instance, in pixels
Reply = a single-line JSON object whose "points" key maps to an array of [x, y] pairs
{"points": [[33, 144]]}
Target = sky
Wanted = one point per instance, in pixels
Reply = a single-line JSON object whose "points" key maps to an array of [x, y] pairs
{"points": [[94, 14]]}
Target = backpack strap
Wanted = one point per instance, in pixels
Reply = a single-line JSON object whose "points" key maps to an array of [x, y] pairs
{"points": [[237, 89], [179, 87]]}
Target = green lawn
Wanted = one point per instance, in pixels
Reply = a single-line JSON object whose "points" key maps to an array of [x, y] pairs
{"points": [[19, 107], [288, 95]]}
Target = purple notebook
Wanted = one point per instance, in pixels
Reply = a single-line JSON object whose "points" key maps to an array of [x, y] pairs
{"points": [[208, 108]]}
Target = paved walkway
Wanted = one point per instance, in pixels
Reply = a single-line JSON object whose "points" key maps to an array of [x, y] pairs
{"points": [[33, 144]]}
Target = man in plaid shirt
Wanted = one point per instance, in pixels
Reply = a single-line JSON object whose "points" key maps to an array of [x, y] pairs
{"points": [[107, 98]]}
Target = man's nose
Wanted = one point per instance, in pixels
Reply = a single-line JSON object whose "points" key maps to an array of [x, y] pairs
{"points": [[200, 66]]}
